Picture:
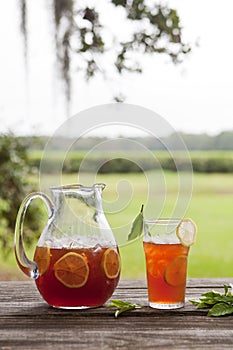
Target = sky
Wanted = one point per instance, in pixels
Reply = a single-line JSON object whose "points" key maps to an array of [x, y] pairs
{"points": [[194, 97]]}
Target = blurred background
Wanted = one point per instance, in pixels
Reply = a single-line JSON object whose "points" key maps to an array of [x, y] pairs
{"points": [[60, 57]]}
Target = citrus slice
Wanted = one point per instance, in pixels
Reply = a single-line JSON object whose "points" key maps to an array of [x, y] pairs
{"points": [[175, 272], [186, 232], [111, 263], [42, 258], [72, 270]]}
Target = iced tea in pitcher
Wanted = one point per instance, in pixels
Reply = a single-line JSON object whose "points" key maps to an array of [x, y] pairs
{"points": [[81, 277]]}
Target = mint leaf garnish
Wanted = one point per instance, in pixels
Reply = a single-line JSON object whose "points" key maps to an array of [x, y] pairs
{"points": [[123, 306], [217, 303], [137, 226], [221, 309]]}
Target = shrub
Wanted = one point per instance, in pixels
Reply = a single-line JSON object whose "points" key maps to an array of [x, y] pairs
{"points": [[14, 184], [207, 162]]}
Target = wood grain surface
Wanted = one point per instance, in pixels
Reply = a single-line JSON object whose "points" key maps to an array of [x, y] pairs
{"points": [[27, 322]]}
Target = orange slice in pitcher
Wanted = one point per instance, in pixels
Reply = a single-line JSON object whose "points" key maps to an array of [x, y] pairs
{"points": [[175, 272], [186, 232], [72, 270], [111, 263], [42, 258]]}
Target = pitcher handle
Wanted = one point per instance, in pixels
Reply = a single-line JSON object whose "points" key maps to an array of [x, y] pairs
{"points": [[30, 268]]}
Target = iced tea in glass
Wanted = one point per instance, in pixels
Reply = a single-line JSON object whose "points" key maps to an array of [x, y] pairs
{"points": [[166, 263]]}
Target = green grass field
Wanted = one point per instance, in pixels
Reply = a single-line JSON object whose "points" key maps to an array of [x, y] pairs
{"points": [[211, 207]]}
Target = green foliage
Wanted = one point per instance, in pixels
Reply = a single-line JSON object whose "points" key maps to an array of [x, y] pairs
{"points": [[208, 154], [218, 304], [215, 164], [123, 306], [194, 142], [132, 162], [137, 226], [80, 36], [14, 184]]}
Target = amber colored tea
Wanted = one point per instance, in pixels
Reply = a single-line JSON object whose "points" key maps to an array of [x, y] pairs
{"points": [[77, 277], [166, 274]]}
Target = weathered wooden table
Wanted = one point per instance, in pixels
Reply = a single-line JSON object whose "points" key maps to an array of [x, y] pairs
{"points": [[27, 322]]}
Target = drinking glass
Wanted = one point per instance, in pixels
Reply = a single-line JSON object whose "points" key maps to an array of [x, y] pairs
{"points": [[166, 263]]}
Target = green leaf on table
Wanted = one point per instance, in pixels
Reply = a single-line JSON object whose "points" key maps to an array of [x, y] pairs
{"points": [[225, 288], [199, 304], [217, 303], [209, 301], [221, 309], [137, 226], [118, 303], [202, 305], [123, 306], [210, 295]]}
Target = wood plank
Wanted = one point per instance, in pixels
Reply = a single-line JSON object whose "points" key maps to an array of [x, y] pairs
{"points": [[191, 282], [27, 322], [123, 333], [23, 296]]}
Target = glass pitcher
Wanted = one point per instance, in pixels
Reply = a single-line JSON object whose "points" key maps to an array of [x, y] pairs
{"points": [[76, 262]]}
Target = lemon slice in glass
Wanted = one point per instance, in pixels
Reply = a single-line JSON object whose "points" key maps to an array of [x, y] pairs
{"points": [[175, 272], [186, 232]]}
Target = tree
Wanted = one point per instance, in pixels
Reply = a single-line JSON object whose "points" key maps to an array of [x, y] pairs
{"points": [[80, 36], [14, 184]]}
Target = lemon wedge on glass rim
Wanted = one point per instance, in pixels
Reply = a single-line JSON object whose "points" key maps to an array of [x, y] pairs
{"points": [[186, 231]]}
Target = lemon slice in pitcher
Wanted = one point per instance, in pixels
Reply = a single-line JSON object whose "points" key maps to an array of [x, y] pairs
{"points": [[186, 232], [72, 270], [111, 263], [42, 258]]}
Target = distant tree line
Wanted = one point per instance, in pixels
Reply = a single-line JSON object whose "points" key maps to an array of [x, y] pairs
{"points": [[208, 153], [205, 142]]}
